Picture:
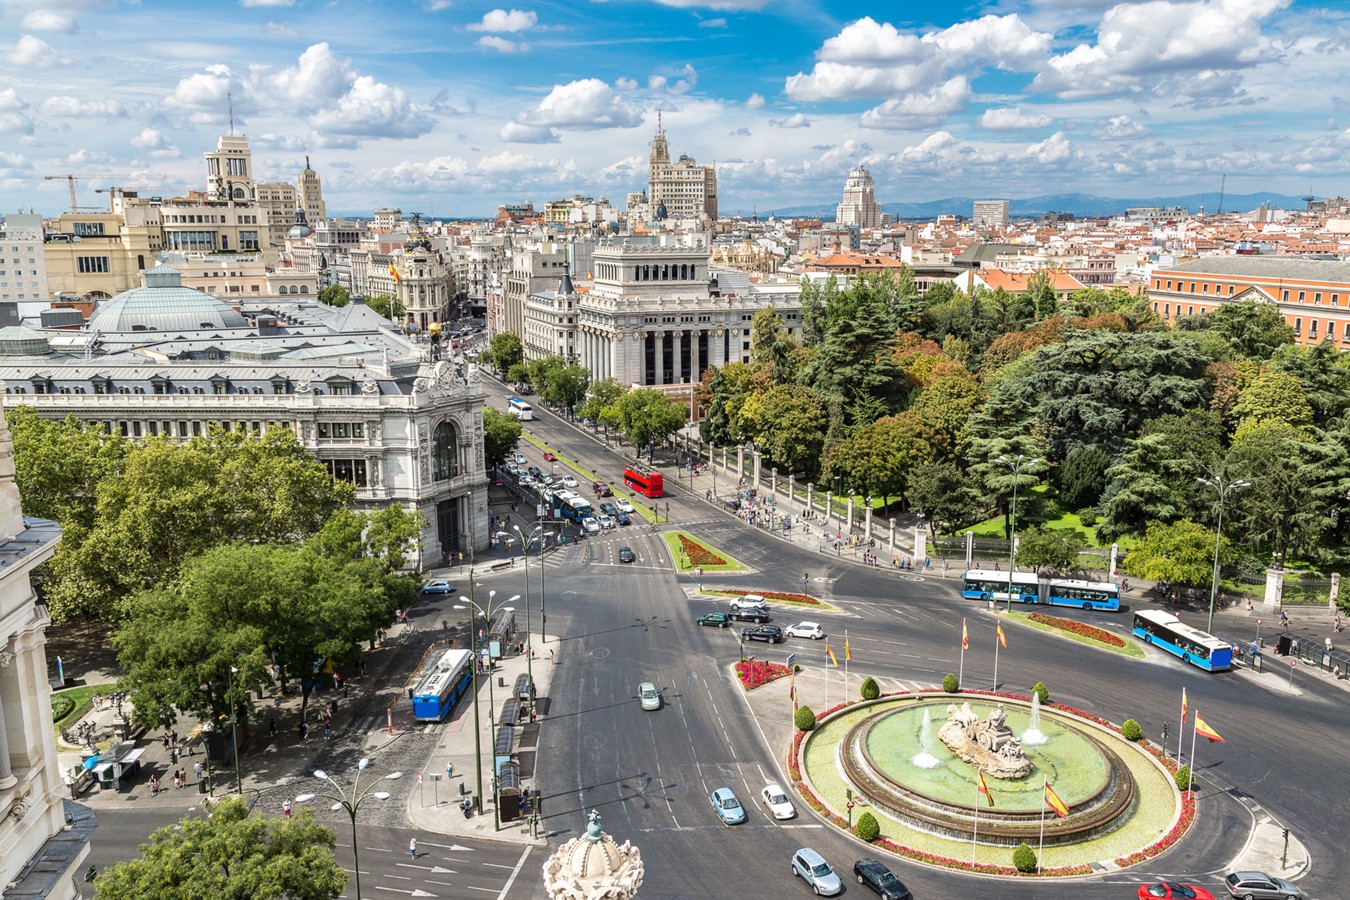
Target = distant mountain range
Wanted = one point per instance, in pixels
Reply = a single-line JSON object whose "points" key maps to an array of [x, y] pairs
{"points": [[1081, 205]]}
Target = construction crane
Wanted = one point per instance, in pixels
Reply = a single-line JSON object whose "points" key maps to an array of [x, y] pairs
{"points": [[71, 179]]}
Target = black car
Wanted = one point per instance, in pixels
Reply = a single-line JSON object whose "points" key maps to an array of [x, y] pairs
{"points": [[875, 875], [609, 509], [622, 517], [535, 472], [771, 633], [626, 555], [758, 616]]}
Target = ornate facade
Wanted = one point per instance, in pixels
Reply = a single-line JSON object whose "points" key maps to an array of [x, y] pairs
{"points": [[681, 189]]}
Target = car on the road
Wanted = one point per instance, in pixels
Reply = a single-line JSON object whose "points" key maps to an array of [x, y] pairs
{"points": [[549, 456], [811, 867], [758, 616], [601, 489], [771, 633], [1260, 886], [718, 620], [438, 586], [623, 518], [623, 505], [535, 472], [874, 874], [547, 480], [608, 508], [590, 525], [569, 481], [606, 522], [728, 808], [749, 601], [810, 630], [512, 469], [520, 458], [649, 696], [626, 555], [777, 802], [527, 481], [1173, 889]]}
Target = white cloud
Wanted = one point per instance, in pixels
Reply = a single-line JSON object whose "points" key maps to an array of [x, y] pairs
{"points": [[755, 101], [920, 110], [868, 42], [57, 20], [1053, 150], [289, 142], [373, 109], [1012, 119], [499, 20], [730, 5], [33, 51], [502, 45], [263, 3], [657, 82], [204, 91], [10, 100], [713, 23], [516, 133], [1120, 128], [150, 139], [317, 80], [796, 120], [626, 84], [76, 108], [1006, 42], [683, 84], [585, 104]]}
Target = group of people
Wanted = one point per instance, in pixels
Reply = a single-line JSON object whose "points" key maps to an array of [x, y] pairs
{"points": [[179, 781]]}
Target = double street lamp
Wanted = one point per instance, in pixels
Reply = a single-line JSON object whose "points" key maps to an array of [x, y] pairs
{"points": [[537, 533], [1016, 464], [351, 801], [1223, 489], [234, 732], [487, 614]]}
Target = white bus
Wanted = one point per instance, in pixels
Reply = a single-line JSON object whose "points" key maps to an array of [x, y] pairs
{"points": [[518, 407]]}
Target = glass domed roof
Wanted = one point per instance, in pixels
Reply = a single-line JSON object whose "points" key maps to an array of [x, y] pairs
{"points": [[163, 304]]}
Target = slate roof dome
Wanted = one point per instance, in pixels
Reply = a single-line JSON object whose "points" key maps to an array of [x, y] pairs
{"points": [[300, 230], [417, 238], [163, 304]]}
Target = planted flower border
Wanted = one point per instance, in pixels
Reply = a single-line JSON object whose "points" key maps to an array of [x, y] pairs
{"points": [[780, 596], [1088, 631], [698, 554], [1166, 842], [755, 673]]}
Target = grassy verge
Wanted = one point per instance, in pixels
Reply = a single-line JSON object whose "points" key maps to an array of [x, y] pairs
{"points": [[775, 598], [1131, 647], [82, 699], [646, 512], [684, 564]]}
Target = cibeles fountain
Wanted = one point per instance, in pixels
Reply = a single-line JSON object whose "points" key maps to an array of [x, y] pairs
{"points": [[890, 759]]}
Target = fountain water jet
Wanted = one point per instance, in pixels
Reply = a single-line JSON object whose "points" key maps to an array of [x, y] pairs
{"points": [[1033, 736], [926, 759]]}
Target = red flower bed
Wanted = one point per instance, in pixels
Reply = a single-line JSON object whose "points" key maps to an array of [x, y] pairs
{"points": [[698, 554], [772, 595], [1168, 840], [757, 673], [1078, 628]]}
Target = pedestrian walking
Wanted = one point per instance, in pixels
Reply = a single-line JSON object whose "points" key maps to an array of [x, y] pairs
{"points": [[412, 848], [286, 808], [197, 770], [449, 770], [272, 726], [304, 730], [327, 730]]}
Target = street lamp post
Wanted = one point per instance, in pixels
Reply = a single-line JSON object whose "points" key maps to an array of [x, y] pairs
{"points": [[487, 613], [536, 533], [1016, 464], [234, 733], [351, 802], [1222, 489]]}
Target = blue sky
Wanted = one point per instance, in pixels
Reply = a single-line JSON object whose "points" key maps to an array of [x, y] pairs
{"points": [[451, 107]]}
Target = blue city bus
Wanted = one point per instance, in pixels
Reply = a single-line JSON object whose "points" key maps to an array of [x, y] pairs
{"points": [[440, 684], [1027, 587], [1167, 632], [574, 508]]}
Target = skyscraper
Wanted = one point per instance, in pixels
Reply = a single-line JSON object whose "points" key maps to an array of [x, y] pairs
{"points": [[990, 214], [311, 194], [679, 190], [860, 205]]}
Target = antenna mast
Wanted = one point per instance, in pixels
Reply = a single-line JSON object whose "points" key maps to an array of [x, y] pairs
{"points": [[229, 97]]}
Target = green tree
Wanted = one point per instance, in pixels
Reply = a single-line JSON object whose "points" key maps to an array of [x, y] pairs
{"points": [[504, 351], [1024, 859], [567, 386], [944, 495], [815, 297], [867, 829], [58, 465], [1295, 487], [1055, 549], [335, 296], [728, 388], [1274, 396], [602, 402], [792, 429], [1042, 692], [518, 374], [989, 469], [1181, 552], [1082, 478], [648, 417], [879, 458], [1157, 477], [804, 718], [231, 855], [388, 306], [854, 363], [770, 345], [943, 409], [1254, 330], [1041, 292], [1324, 373], [950, 684], [1130, 730], [869, 689], [501, 433]]}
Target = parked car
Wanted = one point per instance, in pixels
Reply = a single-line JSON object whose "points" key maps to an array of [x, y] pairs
{"points": [[626, 555], [777, 802], [811, 867], [512, 469], [1260, 886], [875, 875], [606, 522], [749, 601], [590, 525], [771, 633], [649, 696], [623, 505], [758, 616], [601, 489], [438, 586], [728, 808], [569, 481], [1172, 889], [810, 630], [549, 456], [719, 620]]}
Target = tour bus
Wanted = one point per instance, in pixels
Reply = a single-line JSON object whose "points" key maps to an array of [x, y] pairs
{"points": [[1028, 587], [645, 481], [1167, 632], [440, 684], [518, 407]]}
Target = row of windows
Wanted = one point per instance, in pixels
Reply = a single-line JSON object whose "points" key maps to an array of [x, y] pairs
{"points": [[338, 430], [87, 265], [352, 471], [665, 272], [1286, 296]]}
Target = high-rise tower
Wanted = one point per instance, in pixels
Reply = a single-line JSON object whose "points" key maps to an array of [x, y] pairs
{"points": [[311, 194], [860, 205], [678, 190]]}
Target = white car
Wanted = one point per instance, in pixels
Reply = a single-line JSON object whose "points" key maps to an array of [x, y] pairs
{"points": [[569, 481], [806, 630], [777, 802], [622, 504], [749, 601], [520, 458], [649, 695], [512, 469], [607, 522], [591, 526]]}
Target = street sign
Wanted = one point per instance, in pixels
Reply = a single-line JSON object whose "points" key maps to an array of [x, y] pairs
{"points": [[792, 658]]}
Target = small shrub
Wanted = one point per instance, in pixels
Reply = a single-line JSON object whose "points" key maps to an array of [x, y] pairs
{"points": [[870, 690], [1088, 517], [1183, 778], [804, 718], [1024, 859], [1130, 730], [1040, 690], [950, 684], [62, 706], [867, 827]]}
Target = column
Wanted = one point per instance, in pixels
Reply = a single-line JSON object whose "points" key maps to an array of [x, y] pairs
{"points": [[892, 536], [810, 490], [970, 548], [740, 461], [724, 457], [792, 486], [849, 529], [757, 470], [1115, 550], [773, 481], [829, 506], [920, 544], [659, 348], [7, 779], [711, 447], [867, 521]]}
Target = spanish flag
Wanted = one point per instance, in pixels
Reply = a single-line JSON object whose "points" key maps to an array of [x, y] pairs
{"points": [[984, 788], [830, 655], [965, 636], [1002, 641], [848, 654], [1052, 800], [1206, 732], [393, 272]]}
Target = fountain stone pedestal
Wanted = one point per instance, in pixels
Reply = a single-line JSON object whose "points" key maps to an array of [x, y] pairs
{"points": [[988, 744]]}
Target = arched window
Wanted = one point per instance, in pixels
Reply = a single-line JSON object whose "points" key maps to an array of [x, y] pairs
{"points": [[304, 289], [444, 452]]}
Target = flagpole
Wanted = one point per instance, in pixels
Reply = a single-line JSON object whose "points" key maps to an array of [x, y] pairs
{"points": [[975, 832], [847, 655], [1181, 729], [827, 678], [961, 668], [1045, 783], [1191, 783], [996, 642]]}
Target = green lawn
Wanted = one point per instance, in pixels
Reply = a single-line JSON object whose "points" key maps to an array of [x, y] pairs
{"points": [[993, 528], [684, 564], [83, 698]]}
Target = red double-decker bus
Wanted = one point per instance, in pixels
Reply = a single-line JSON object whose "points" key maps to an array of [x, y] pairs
{"points": [[645, 481]]}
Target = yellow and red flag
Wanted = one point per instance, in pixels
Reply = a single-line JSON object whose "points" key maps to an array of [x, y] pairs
{"points": [[1003, 641], [965, 636], [984, 788], [1183, 704], [1052, 800], [1205, 731], [830, 655], [393, 272], [848, 654]]}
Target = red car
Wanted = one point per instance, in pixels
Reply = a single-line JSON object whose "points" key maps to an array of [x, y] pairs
{"points": [[1166, 890], [549, 457]]}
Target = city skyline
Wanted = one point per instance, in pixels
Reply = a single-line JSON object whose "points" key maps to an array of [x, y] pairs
{"points": [[452, 109]]}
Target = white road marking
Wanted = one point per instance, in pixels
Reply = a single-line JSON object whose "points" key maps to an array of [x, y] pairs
{"points": [[512, 880]]}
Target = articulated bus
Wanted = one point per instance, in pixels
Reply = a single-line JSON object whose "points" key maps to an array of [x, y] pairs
{"points": [[1027, 587], [1167, 632], [644, 481], [518, 407], [440, 684]]}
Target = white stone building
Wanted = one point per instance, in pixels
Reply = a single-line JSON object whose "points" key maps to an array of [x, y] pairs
{"points": [[859, 206]]}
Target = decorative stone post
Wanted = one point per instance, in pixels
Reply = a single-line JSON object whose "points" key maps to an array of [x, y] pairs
{"points": [[867, 520], [740, 462], [1335, 590], [829, 506], [711, 448], [920, 544], [970, 548], [810, 492], [849, 529], [892, 542], [1274, 588], [755, 454], [773, 481], [724, 457], [593, 867], [7, 777], [1115, 551], [792, 487]]}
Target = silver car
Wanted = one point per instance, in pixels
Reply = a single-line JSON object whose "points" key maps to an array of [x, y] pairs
{"points": [[649, 695], [811, 867], [1260, 886]]}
